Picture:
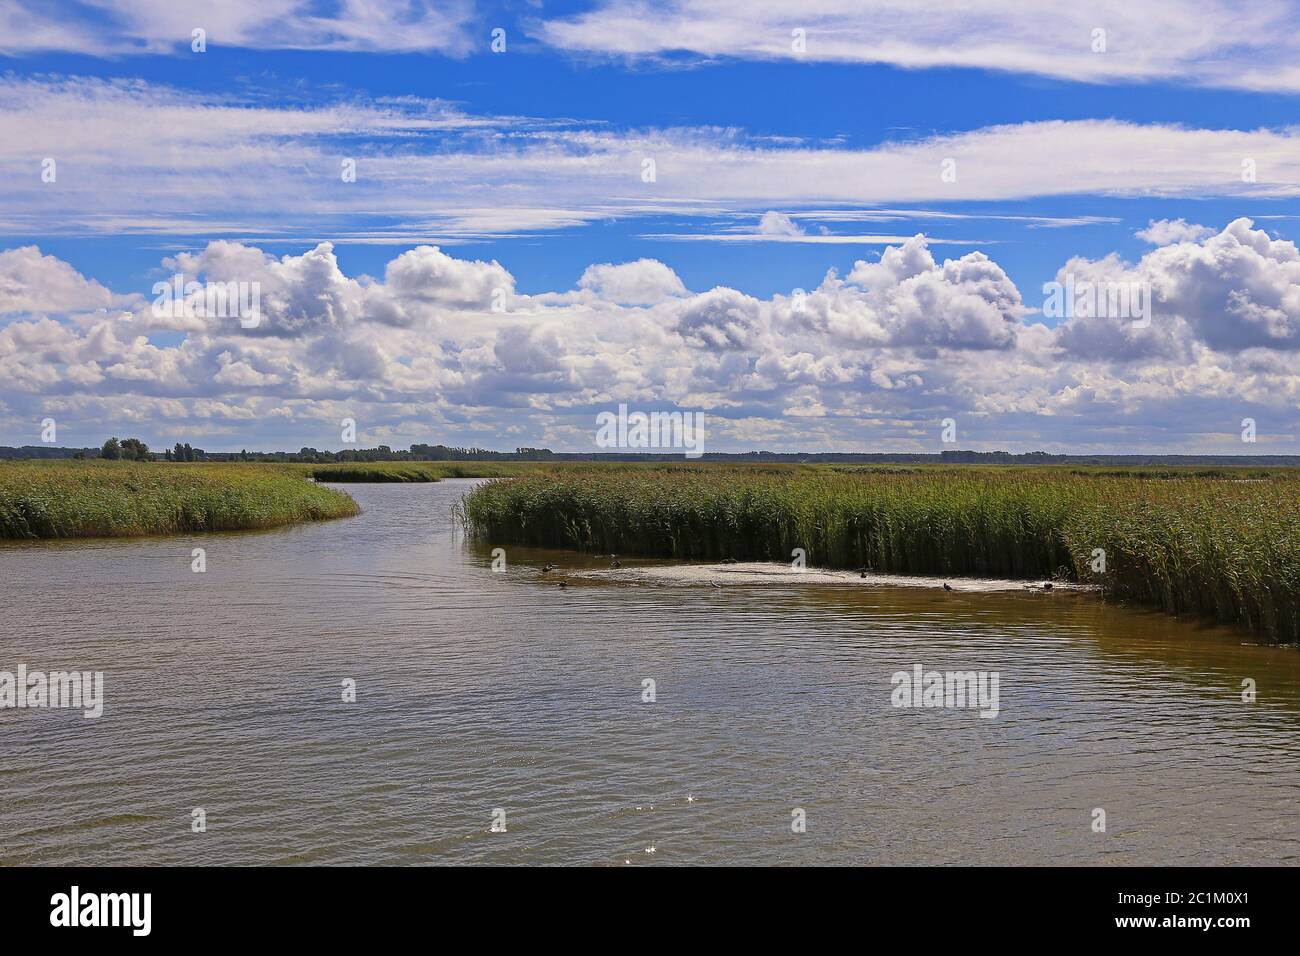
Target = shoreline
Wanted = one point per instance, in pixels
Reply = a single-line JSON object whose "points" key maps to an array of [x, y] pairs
{"points": [[759, 573]]}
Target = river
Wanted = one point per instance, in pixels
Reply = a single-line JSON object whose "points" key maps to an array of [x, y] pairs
{"points": [[479, 691]]}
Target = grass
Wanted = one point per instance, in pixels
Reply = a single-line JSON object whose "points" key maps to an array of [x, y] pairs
{"points": [[379, 471], [68, 499], [1223, 545]]}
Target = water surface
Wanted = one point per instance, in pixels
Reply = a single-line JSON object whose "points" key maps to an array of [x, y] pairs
{"points": [[479, 690]]}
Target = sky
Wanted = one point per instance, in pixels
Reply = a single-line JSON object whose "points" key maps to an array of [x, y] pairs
{"points": [[827, 226]]}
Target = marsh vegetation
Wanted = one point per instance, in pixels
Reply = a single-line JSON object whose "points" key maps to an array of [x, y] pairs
{"points": [[68, 499], [1222, 545]]}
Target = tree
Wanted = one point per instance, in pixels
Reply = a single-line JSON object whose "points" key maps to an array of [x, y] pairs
{"points": [[111, 451], [133, 449]]}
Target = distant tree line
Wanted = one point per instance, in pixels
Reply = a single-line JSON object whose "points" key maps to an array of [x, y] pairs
{"points": [[417, 452], [133, 449], [8, 452]]}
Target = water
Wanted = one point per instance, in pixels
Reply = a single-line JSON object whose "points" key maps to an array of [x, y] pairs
{"points": [[478, 691]]}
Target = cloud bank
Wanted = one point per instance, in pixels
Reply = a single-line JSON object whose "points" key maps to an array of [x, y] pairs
{"points": [[444, 348], [1198, 42], [1201, 42], [413, 171]]}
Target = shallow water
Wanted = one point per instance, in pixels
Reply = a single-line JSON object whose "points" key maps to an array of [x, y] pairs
{"points": [[478, 690]]}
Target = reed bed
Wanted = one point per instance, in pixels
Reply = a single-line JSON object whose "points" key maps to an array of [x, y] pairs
{"points": [[380, 472], [409, 471], [68, 499], [1223, 547]]}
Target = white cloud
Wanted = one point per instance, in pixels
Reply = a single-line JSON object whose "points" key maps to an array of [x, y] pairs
{"points": [[428, 173], [643, 282], [165, 26], [27, 28], [872, 359], [32, 282], [1162, 232], [825, 239], [1201, 42], [1234, 291], [778, 224], [428, 275]]}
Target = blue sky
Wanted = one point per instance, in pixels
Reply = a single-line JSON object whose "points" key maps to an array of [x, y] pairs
{"points": [[773, 166]]}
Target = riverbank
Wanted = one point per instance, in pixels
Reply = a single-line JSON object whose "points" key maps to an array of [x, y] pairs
{"points": [[1218, 546], [72, 499], [760, 573]]}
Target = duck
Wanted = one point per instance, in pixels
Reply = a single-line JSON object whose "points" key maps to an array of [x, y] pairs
{"points": [[616, 564], [1047, 585], [728, 561], [947, 586], [547, 568], [563, 585]]}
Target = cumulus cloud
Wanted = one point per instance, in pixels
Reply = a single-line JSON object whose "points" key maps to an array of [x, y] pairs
{"points": [[876, 357], [643, 282], [720, 320], [1235, 290], [909, 300], [32, 282], [428, 275], [1162, 232], [778, 224]]}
